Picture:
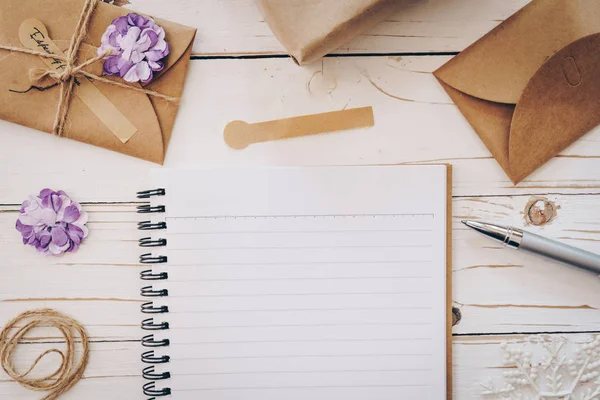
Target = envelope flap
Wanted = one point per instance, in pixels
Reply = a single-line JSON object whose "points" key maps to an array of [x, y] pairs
{"points": [[37, 109], [499, 66], [61, 18], [560, 104]]}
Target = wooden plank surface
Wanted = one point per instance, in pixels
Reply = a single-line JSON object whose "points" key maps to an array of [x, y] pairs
{"points": [[113, 371], [235, 27], [424, 128], [502, 295], [492, 285]]}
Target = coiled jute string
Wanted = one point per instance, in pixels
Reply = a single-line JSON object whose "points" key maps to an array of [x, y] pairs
{"points": [[70, 370], [66, 77]]}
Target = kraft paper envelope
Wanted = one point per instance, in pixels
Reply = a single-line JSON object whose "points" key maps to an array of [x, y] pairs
{"points": [[309, 29], [153, 118], [531, 87]]}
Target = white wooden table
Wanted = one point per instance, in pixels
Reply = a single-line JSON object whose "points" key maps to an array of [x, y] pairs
{"points": [[238, 72]]}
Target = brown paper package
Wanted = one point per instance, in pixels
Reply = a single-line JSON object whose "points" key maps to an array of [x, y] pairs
{"points": [[153, 118], [309, 29], [531, 87]]}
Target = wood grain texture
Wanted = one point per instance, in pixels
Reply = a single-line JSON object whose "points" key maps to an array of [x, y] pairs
{"points": [[415, 122], [113, 372], [496, 289], [501, 294], [235, 27]]}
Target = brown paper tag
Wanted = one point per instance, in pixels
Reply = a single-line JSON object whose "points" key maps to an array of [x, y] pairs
{"points": [[34, 35], [239, 134]]}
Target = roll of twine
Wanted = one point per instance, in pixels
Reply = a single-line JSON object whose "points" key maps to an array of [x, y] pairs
{"points": [[70, 370]]}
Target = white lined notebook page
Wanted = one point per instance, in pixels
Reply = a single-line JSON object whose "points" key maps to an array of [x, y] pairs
{"points": [[313, 283]]}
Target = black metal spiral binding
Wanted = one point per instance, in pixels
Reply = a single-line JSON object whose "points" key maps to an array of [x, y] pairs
{"points": [[151, 226], [149, 275], [149, 209], [150, 308], [150, 259], [146, 194], [149, 324], [150, 390], [150, 374], [149, 291], [148, 357], [149, 341], [149, 242]]}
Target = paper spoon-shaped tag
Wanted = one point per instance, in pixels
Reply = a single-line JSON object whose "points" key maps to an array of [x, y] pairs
{"points": [[239, 134]]}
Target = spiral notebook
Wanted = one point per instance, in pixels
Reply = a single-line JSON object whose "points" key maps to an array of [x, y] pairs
{"points": [[313, 283]]}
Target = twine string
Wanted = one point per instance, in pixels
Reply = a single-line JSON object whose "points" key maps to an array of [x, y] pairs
{"points": [[66, 77], [68, 373]]}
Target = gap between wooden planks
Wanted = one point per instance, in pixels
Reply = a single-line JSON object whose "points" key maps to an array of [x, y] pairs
{"points": [[425, 129], [497, 290], [236, 28], [114, 368]]}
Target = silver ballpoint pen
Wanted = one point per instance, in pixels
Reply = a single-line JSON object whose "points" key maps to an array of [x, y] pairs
{"points": [[522, 240]]}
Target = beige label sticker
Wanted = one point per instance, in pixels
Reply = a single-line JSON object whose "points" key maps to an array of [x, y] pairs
{"points": [[34, 35], [239, 134]]}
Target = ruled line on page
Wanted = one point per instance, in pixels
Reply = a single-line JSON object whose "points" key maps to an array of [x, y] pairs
{"points": [[305, 341], [299, 216], [300, 279], [305, 247], [299, 387], [299, 263], [296, 232], [306, 371], [297, 325], [301, 309], [307, 356], [293, 294]]}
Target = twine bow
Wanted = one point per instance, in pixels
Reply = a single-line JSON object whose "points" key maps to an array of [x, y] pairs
{"points": [[66, 77]]}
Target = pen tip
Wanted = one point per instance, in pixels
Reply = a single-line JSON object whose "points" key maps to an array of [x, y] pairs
{"points": [[464, 221]]}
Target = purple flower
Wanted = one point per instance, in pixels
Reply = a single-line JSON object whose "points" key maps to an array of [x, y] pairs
{"points": [[137, 48], [52, 222]]}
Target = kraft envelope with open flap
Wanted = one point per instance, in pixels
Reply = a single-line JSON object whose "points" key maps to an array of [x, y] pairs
{"points": [[153, 118], [531, 87], [309, 29]]}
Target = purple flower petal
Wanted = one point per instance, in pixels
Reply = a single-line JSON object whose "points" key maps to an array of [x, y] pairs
{"points": [[44, 193], [50, 199], [75, 234], [124, 67], [154, 55], [137, 47], [139, 20], [112, 39], [24, 205], [59, 236], [111, 65], [140, 72], [44, 239], [52, 223], [27, 233], [71, 214], [20, 226], [121, 24], [156, 65], [152, 37], [56, 202]]}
